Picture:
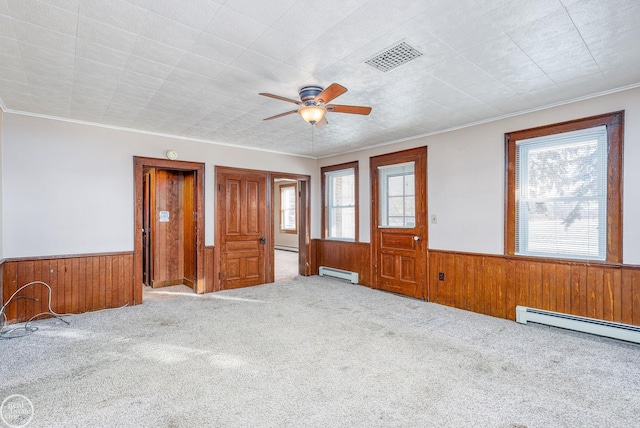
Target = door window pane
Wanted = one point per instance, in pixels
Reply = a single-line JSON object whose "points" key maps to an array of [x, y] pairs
{"points": [[397, 195]]}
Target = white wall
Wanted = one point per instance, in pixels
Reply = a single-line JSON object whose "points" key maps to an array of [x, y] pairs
{"points": [[466, 176], [68, 187]]}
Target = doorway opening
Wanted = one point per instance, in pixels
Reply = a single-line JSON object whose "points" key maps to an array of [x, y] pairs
{"points": [[169, 225], [290, 215], [168, 232], [285, 215], [248, 218]]}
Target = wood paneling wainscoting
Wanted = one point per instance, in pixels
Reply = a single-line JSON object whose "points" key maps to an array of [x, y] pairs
{"points": [[487, 284], [79, 283], [351, 256], [2, 282], [210, 274], [495, 285], [313, 256]]}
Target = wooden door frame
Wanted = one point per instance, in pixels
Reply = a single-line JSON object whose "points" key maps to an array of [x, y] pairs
{"points": [[150, 174], [399, 157], [304, 229], [302, 224], [139, 163]]}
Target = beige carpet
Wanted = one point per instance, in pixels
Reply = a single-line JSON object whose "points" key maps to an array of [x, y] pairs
{"points": [[316, 352], [286, 265]]}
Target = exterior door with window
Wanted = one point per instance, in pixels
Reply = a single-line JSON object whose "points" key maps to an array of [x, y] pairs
{"points": [[399, 226]]}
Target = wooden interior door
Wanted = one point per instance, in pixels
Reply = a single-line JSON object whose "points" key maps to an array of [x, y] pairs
{"points": [[399, 222], [190, 229], [168, 229], [241, 227]]}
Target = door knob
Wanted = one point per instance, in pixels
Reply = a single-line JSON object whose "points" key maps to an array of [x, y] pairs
{"points": [[263, 240], [416, 238]]}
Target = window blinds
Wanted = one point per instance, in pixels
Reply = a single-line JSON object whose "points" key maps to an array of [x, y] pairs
{"points": [[561, 195]]}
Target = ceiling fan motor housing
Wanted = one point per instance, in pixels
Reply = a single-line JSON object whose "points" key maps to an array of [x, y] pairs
{"points": [[309, 93]]}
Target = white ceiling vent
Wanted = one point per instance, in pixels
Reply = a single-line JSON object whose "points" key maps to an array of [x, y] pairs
{"points": [[393, 57]]}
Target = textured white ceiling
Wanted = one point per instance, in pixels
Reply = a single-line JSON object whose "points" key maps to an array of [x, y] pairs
{"points": [[194, 68]]}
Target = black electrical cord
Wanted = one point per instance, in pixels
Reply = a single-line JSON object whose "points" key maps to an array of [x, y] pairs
{"points": [[10, 333]]}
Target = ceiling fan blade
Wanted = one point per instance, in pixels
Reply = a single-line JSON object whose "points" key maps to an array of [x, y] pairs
{"points": [[278, 97], [348, 109], [280, 115], [333, 91], [322, 122]]}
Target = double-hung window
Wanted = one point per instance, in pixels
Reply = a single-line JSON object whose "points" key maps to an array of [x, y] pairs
{"points": [[563, 195], [288, 208], [340, 213]]}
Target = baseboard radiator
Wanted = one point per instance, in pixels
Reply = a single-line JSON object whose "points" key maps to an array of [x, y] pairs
{"points": [[285, 248], [339, 273], [627, 332]]}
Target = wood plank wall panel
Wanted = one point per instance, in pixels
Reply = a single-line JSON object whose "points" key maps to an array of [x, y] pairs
{"points": [[313, 256], [9, 271], [351, 256], [2, 281], [495, 285], [636, 295], [210, 274], [78, 283], [2, 268]]}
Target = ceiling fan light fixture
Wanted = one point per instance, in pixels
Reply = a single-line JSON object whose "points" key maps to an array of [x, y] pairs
{"points": [[312, 114], [314, 104]]}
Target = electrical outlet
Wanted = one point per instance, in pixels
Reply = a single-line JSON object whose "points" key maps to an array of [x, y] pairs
{"points": [[440, 276]]}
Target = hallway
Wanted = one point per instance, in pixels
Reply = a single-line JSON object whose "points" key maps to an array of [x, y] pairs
{"points": [[286, 265]]}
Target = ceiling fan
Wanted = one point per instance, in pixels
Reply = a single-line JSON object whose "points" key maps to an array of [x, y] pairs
{"points": [[313, 104]]}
